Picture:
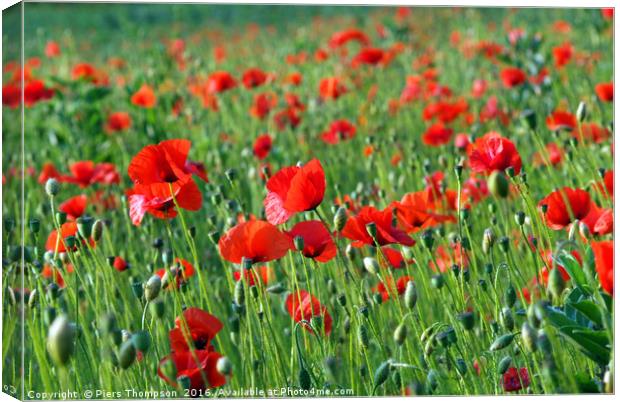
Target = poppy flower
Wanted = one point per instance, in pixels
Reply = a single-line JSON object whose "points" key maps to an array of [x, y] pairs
{"points": [[446, 257], [387, 288], [68, 229], [254, 77], [605, 91], [52, 49], [558, 214], [478, 88], [607, 13], [48, 171], [118, 121], [301, 305], [515, 380], [493, 152], [288, 117], [318, 242], [74, 207], [262, 146], [182, 270], [84, 71], [591, 132], [294, 189], [437, 135], [562, 54], [11, 95], [512, 77], [604, 262], [144, 97], [552, 155], [561, 120], [387, 233], [331, 88], [264, 273], [54, 274], [197, 325], [263, 104], [86, 173], [341, 38], [339, 130], [415, 211], [293, 79], [461, 141], [120, 264], [370, 56], [196, 366], [608, 180], [220, 81], [256, 240], [35, 91]]}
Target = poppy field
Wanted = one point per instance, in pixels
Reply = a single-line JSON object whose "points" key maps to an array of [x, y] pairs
{"points": [[283, 201]]}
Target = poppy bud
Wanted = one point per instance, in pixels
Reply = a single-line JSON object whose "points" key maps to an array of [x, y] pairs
{"points": [[96, 230], [573, 230], [239, 294], [381, 374], [305, 382], [371, 229], [53, 291], [350, 252], [582, 112], [437, 281], [427, 239], [506, 319], [33, 299], [298, 242], [184, 382], [501, 342], [340, 218], [520, 218], [411, 295], [584, 231], [9, 224], [467, 320], [152, 288], [157, 308], [488, 240], [61, 218], [377, 298], [49, 314], [60, 340], [458, 169], [510, 296], [214, 236], [556, 283], [400, 334], [465, 212], [465, 243], [276, 289], [231, 175], [34, 225], [532, 316], [52, 187], [504, 364], [342, 299], [141, 341], [371, 265], [504, 243], [346, 325], [528, 336], [498, 184], [510, 172], [362, 336], [224, 366]]}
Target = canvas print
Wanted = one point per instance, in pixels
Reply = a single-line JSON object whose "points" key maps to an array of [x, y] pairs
{"points": [[244, 201]]}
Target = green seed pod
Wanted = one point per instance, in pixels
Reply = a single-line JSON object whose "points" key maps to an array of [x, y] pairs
{"points": [[141, 340], [510, 296], [127, 354], [503, 365], [371, 265], [224, 366], [276, 289], [501, 342], [520, 218], [239, 294], [362, 336], [506, 319], [411, 295], [137, 288], [582, 112], [504, 243], [157, 308], [340, 218], [342, 299], [34, 225], [556, 283], [437, 281], [152, 288], [498, 184], [85, 226], [400, 334], [528, 336], [305, 382], [467, 320], [381, 374], [488, 240], [427, 239], [97, 230], [60, 340], [52, 187]]}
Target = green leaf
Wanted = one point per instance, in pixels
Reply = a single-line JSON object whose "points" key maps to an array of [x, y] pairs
{"points": [[593, 344], [571, 265], [590, 310]]}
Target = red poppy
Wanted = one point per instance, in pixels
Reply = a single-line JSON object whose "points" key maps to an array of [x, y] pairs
{"points": [[288, 117], [415, 212], [294, 189], [318, 242], [561, 120], [84, 71], [371, 56], [120, 264], [608, 180], [144, 97], [68, 229], [387, 289], [341, 38], [182, 271], [74, 207], [220, 81], [512, 77], [118, 121], [387, 233], [35, 91], [331, 88], [52, 49], [446, 257], [444, 111], [11, 95], [339, 130], [301, 305], [558, 215], [437, 135], [515, 380], [293, 79], [493, 152], [48, 171], [547, 257], [604, 261], [591, 132], [54, 274], [264, 273], [607, 13], [562, 54], [185, 364], [86, 173], [552, 155], [262, 146], [197, 325], [605, 91], [461, 141], [254, 77], [259, 241], [263, 104]]}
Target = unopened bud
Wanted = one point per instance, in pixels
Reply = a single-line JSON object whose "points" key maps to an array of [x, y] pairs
{"points": [[52, 187], [411, 295], [371, 265], [400, 334], [60, 340], [556, 283], [224, 366], [152, 288], [362, 336], [371, 228], [340, 218], [498, 184], [97, 230], [582, 112], [528, 336]]}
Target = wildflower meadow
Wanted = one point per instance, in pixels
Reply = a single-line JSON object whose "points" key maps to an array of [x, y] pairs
{"points": [[288, 201]]}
